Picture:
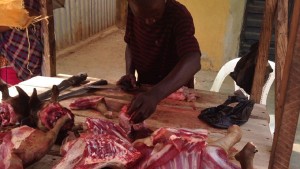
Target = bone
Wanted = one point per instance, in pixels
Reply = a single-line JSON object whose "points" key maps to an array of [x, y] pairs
{"points": [[234, 135], [58, 125]]}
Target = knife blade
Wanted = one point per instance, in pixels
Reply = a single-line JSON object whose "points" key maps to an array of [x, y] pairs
{"points": [[72, 81], [83, 90]]}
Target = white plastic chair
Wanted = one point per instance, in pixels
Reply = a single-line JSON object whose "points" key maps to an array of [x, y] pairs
{"points": [[228, 67]]}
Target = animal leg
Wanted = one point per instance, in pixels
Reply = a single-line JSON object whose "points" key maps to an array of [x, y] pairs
{"points": [[246, 156], [234, 135]]}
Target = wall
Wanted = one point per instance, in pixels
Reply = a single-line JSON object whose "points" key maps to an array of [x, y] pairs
{"points": [[81, 19], [218, 25]]}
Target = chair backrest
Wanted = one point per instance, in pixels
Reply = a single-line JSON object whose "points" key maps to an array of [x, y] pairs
{"points": [[228, 67]]}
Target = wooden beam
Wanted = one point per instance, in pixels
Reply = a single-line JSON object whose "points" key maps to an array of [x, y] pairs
{"points": [[121, 13], [281, 38], [263, 50], [289, 100], [49, 63]]}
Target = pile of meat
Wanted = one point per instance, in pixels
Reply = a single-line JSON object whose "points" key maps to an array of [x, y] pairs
{"points": [[106, 144], [29, 127]]}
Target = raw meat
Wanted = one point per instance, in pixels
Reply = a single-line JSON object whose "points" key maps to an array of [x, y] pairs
{"points": [[181, 148], [98, 126], [104, 145], [92, 102], [24, 145], [45, 114], [169, 145], [13, 109], [133, 131], [182, 94], [167, 148]]}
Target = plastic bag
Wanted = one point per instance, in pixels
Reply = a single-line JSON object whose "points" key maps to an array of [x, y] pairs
{"points": [[244, 70], [224, 115]]}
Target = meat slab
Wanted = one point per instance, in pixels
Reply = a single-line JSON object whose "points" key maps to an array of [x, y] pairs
{"points": [[24, 145], [83, 103], [92, 102], [104, 145]]}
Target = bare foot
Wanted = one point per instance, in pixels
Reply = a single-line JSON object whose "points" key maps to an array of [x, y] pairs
{"points": [[246, 155]]}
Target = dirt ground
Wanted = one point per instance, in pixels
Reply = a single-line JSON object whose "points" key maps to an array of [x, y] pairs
{"points": [[104, 58]]}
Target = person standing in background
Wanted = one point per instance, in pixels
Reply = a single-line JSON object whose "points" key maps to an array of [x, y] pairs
{"points": [[21, 51]]}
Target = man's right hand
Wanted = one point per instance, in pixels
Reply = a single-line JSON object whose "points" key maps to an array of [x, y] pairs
{"points": [[127, 82]]}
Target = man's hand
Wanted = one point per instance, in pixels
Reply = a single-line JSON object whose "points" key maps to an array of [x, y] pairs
{"points": [[142, 107], [127, 82]]}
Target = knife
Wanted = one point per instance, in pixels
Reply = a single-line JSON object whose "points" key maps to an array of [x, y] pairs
{"points": [[83, 90], [72, 81]]}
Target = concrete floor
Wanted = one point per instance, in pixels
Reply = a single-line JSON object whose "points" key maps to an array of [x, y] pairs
{"points": [[104, 58]]}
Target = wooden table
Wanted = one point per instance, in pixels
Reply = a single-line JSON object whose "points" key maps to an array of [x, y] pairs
{"points": [[169, 114]]}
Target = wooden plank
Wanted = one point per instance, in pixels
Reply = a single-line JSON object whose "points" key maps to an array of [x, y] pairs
{"points": [[49, 64], [281, 35], [176, 114], [289, 101], [263, 51], [121, 13], [281, 31]]}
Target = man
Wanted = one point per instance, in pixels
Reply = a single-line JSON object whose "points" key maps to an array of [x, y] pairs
{"points": [[21, 53], [162, 48]]}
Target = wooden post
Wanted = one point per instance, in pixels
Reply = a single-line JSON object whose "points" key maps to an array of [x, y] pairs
{"points": [[121, 13], [289, 100], [49, 64], [281, 35], [263, 50]]}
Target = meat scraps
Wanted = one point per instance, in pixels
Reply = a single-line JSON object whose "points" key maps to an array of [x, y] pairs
{"points": [[133, 131], [182, 94], [89, 102], [104, 145], [92, 102]]}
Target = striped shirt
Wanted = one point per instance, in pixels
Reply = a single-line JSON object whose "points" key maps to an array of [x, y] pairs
{"points": [[14, 46], [157, 48]]}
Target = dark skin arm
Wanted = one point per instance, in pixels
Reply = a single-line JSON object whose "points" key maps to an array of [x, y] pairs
{"points": [[144, 104], [128, 59], [128, 81]]}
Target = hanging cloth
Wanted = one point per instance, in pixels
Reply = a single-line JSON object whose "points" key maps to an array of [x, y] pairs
{"points": [[16, 16]]}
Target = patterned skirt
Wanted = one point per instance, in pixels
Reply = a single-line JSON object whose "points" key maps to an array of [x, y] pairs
{"points": [[7, 74]]}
